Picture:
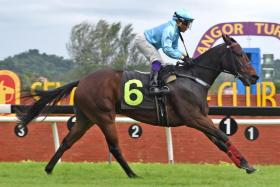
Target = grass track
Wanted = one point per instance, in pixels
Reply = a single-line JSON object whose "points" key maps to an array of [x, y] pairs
{"points": [[31, 174]]}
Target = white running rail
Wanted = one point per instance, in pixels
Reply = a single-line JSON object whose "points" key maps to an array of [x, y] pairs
{"points": [[54, 119]]}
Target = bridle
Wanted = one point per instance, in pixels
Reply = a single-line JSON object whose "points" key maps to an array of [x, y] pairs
{"points": [[239, 63], [233, 55]]}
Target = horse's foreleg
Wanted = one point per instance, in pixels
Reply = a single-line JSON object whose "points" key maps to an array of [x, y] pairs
{"points": [[228, 148], [110, 133], [238, 158], [220, 139], [232, 152]]}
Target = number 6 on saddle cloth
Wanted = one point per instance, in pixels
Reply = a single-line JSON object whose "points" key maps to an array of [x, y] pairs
{"points": [[135, 92]]}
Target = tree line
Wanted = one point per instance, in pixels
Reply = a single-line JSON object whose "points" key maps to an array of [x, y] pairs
{"points": [[90, 47]]}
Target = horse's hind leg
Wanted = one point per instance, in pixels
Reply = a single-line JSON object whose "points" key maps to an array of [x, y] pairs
{"points": [[220, 139], [110, 133], [77, 131]]}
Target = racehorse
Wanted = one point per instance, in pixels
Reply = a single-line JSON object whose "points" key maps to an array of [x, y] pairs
{"points": [[98, 95]]}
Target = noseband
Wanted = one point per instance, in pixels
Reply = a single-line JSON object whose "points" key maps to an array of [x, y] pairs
{"points": [[233, 55]]}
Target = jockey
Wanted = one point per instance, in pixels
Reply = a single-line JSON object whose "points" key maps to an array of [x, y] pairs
{"points": [[163, 37]]}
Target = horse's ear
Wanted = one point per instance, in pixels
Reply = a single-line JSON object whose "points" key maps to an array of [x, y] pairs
{"points": [[226, 39]]}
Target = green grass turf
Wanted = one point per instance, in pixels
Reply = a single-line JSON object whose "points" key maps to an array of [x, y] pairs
{"points": [[31, 174]]}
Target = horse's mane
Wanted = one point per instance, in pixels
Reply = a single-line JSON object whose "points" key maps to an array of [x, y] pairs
{"points": [[208, 53]]}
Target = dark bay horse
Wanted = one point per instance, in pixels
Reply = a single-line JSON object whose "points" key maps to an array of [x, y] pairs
{"points": [[97, 97]]}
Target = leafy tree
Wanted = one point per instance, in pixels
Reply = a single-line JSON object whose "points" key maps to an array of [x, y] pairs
{"points": [[95, 46], [91, 46]]}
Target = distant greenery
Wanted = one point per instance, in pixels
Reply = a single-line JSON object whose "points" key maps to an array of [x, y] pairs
{"points": [[277, 85], [95, 46], [33, 65], [91, 47]]}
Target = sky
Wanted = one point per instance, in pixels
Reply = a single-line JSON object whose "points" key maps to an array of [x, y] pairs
{"points": [[46, 24]]}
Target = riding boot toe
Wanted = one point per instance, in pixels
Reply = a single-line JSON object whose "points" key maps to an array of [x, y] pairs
{"points": [[154, 90], [165, 90], [157, 91]]}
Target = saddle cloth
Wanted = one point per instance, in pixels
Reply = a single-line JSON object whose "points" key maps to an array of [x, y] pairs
{"points": [[135, 91]]}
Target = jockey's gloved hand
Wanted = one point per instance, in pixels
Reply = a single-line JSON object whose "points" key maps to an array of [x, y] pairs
{"points": [[187, 60]]}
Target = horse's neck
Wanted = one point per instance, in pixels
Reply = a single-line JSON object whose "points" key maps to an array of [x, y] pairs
{"points": [[211, 60]]}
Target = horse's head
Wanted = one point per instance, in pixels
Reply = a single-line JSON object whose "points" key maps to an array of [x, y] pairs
{"points": [[237, 62]]}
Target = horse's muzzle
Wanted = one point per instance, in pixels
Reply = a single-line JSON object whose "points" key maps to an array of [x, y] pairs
{"points": [[254, 79], [248, 80]]}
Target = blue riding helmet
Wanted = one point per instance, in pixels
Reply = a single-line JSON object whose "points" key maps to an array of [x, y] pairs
{"points": [[183, 15]]}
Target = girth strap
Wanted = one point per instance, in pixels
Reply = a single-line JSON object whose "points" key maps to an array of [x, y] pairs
{"points": [[161, 110]]}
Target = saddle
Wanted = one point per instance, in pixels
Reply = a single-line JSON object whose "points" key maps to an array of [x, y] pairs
{"points": [[135, 92]]}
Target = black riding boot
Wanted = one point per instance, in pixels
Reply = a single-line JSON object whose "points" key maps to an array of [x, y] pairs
{"points": [[154, 87]]}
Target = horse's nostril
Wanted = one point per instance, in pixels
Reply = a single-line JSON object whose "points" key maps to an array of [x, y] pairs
{"points": [[255, 77]]}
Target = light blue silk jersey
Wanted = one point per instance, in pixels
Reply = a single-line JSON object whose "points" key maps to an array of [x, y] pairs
{"points": [[166, 37]]}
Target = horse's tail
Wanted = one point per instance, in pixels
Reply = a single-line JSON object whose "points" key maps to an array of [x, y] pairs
{"points": [[49, 97]]}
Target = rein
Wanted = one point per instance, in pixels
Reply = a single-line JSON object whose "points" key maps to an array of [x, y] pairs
{"points": [[235, 73]]}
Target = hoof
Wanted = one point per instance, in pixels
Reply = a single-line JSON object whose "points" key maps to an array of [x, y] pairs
{"points": [[48, 171], [250, 170], [132, 176]]}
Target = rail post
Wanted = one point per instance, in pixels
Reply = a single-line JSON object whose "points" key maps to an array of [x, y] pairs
{"points": [[169, 145], [55, 137]]}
